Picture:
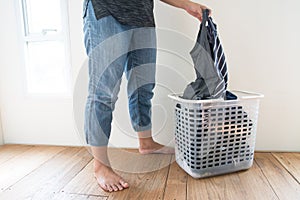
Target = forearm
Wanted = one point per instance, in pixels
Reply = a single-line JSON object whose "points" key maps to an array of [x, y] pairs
{"points": [[192, 8]]}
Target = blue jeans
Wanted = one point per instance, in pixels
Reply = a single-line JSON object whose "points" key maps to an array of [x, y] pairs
{"points": [[113, 49]]}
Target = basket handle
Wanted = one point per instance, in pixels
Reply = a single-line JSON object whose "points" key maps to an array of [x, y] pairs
{"points": [[250, 95]]}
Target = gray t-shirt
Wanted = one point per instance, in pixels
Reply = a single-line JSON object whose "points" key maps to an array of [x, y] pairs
{"points": [[129, 12]]}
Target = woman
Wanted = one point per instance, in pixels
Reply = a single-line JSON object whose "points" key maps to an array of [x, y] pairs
{"points": [[120, 38]]}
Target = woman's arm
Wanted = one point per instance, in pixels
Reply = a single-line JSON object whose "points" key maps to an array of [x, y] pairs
{"points": [[192, 8]]}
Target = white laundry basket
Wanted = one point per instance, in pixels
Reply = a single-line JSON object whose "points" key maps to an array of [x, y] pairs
{"points": [[214, 137]]}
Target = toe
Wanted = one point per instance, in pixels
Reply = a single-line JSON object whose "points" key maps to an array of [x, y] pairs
{"points": [[124, 184], [109, 188], [104, 187], [120, 187], [115, 188]]}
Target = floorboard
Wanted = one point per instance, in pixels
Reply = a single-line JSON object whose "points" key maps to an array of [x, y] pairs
{"points": [[7, 152], [85, 183], [49, 178], [247, 185], [147, 174], [21, 165], [66, 173], [291, 162], [283, 184], [67, 196], [176, 187]]}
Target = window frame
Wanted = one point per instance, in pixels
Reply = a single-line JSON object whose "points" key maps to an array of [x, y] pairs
{"points": [[61, 36]]}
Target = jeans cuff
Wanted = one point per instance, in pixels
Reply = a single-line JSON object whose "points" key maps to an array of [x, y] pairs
{"points": [[142, 128], [98, 144]]}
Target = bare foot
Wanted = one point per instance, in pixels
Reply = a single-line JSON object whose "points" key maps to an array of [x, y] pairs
{"points": [[108, 180], [148, 145], [154, 147]]}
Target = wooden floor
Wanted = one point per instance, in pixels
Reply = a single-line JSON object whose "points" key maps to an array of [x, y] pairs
{"points": [[47, 172]]}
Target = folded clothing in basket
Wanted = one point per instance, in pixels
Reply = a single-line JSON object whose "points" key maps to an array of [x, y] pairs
{"points": [[235, 121], [210, 135], [215, 137]]}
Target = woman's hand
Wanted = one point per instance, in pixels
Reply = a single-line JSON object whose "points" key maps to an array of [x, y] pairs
{"points": [[195, 9]]}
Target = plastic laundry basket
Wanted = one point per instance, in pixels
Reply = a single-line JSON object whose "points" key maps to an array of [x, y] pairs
{"points": [[214, 137]]}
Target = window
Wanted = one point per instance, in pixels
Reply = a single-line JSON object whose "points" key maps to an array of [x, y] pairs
{"points": [[45, 38]]}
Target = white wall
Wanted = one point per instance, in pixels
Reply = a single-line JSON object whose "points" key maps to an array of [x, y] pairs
{"points": [[1, 132], [261, 41]]}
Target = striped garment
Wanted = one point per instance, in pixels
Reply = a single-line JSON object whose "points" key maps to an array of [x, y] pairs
{"points": [[209, 63], [218, 56]]}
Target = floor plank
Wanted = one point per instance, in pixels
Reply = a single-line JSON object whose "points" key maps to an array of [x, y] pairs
{"points": [[291, 162], [24, 163], [176, 183], [151, 181], [146, 185], [66, 173], [50, 177], [7, 152], [281, 181], [247, 185], [66, 196], [131, 161], [85, 183], [146, 174]]}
